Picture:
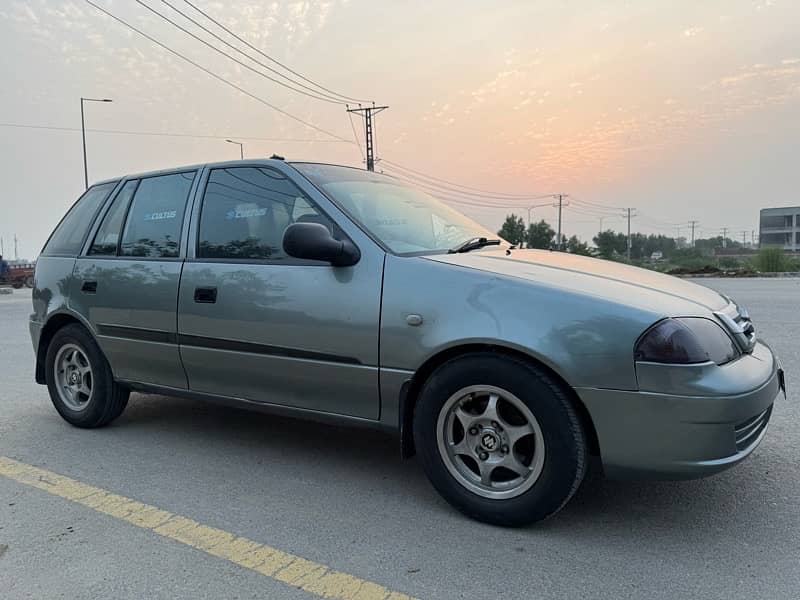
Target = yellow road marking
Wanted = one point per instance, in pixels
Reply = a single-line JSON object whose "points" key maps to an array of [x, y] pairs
{"points": [[276, 564]]}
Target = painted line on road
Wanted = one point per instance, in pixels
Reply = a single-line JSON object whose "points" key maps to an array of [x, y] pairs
{"points": [[276, 564]]}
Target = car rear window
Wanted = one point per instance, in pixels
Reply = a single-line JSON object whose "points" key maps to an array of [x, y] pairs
{"points": [[70, 233]]}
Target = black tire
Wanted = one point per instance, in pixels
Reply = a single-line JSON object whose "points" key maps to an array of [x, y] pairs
{"points": [[108, 399], [565, 458], [29, 281]]}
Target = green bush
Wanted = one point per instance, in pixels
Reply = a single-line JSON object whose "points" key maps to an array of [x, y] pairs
{"points": [[729, 263], [772, 260]]}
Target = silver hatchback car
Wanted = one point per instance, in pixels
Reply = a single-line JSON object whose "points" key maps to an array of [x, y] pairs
{"points": [[335, 293]]}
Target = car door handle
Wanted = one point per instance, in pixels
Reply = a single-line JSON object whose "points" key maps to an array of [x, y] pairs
{"points": [[205, 295], [89, 287]]}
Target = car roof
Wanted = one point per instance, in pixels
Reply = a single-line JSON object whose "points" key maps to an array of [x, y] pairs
{"points": [[217, 164], [192, 167]]}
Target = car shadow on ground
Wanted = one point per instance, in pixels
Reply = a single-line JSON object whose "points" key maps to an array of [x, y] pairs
{"points": [[600, 508]]}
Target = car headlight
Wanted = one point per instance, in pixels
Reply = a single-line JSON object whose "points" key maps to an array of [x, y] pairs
{"points": [[686, 340]]}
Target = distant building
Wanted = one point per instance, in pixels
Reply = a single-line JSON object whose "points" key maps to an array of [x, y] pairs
{"points": [[780, 227]]}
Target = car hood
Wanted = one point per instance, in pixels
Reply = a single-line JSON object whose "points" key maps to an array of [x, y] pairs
{"points": [[611, 280]]}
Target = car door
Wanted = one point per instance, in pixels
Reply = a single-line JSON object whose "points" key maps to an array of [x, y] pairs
{"points": [[126, 281], [256, 324]]}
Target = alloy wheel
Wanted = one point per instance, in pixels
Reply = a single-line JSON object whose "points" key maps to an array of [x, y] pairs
{"points": [[73, 375], [490, 442]]}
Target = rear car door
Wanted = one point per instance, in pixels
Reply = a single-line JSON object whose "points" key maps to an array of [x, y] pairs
{"points": [[126, 281], [256, 324]]}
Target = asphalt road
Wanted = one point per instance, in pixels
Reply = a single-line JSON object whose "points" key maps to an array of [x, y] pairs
{"points": [[343, 498]]}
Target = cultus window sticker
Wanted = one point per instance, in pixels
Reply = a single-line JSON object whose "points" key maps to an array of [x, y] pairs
{"points": [[160, 216], [245, 213]]}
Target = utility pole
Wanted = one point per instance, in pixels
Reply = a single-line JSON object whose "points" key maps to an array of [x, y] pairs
{"points": [[753, 238], [628, 214], [16, 254], [369, 140], [724, 237], [693, 224], [744, 238], [560, 206]]}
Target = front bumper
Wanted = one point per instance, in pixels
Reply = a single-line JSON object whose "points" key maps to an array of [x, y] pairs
{"points": [[714, 420]]}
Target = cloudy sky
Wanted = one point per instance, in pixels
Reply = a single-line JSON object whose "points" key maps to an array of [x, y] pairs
{"points": [[684, 110]]}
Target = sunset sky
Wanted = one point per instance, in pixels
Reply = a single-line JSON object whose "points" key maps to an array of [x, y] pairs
{"points": [[682, 109]]}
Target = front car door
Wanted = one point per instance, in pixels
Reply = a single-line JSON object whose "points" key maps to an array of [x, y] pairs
{"points": [[256, 324], [126, 281]]}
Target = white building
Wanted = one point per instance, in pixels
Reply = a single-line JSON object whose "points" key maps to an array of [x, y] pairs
{"points": [[780, 227]]}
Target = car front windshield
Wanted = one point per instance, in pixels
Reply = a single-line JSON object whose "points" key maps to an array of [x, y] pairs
{"points": [[405, 219]]}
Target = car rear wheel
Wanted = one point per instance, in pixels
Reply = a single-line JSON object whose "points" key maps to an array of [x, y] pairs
{"points": [[80, 381], [499, 439]]}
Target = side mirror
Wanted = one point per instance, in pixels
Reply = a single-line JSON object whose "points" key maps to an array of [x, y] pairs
{"points": [[313, 241]]}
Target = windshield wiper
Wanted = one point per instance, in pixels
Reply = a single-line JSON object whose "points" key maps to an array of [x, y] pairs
{"points": [[473, 244]]}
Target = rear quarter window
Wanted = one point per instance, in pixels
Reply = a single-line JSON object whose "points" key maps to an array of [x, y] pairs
{"points": [[155, 218], [67, 238]]}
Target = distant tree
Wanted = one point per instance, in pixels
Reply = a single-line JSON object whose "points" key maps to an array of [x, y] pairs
{"points": [[575, 246], [610, 243], [513, 230], [708, 244], [659, 243], [540, 235]]}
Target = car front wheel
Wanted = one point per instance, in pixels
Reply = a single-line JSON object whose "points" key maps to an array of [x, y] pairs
{"points": [[79, 379], [499, 438]]}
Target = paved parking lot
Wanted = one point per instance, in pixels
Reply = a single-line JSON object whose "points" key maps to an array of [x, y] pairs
{"points": [[343, 499]]}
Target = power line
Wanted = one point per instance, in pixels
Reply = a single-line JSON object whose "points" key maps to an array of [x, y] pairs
{"points": [[471, 202], [481, 201], [456, 196], [336, 98], [594, 211], [214, 75], [453, 187], [464, 187], [225, 54], [171, 134], [267, 56], [596, 204]]}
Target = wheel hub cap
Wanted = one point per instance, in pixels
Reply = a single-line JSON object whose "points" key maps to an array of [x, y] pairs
{"points": [[489, 441]]}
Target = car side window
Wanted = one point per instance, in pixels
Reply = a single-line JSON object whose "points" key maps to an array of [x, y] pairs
{"points": [[246, 211], [67, 239], [107, 239], [155, 218]]}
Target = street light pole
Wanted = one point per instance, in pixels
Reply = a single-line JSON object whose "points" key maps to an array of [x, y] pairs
{"points": [[530, 208], [83, 136], [241, 147]]}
